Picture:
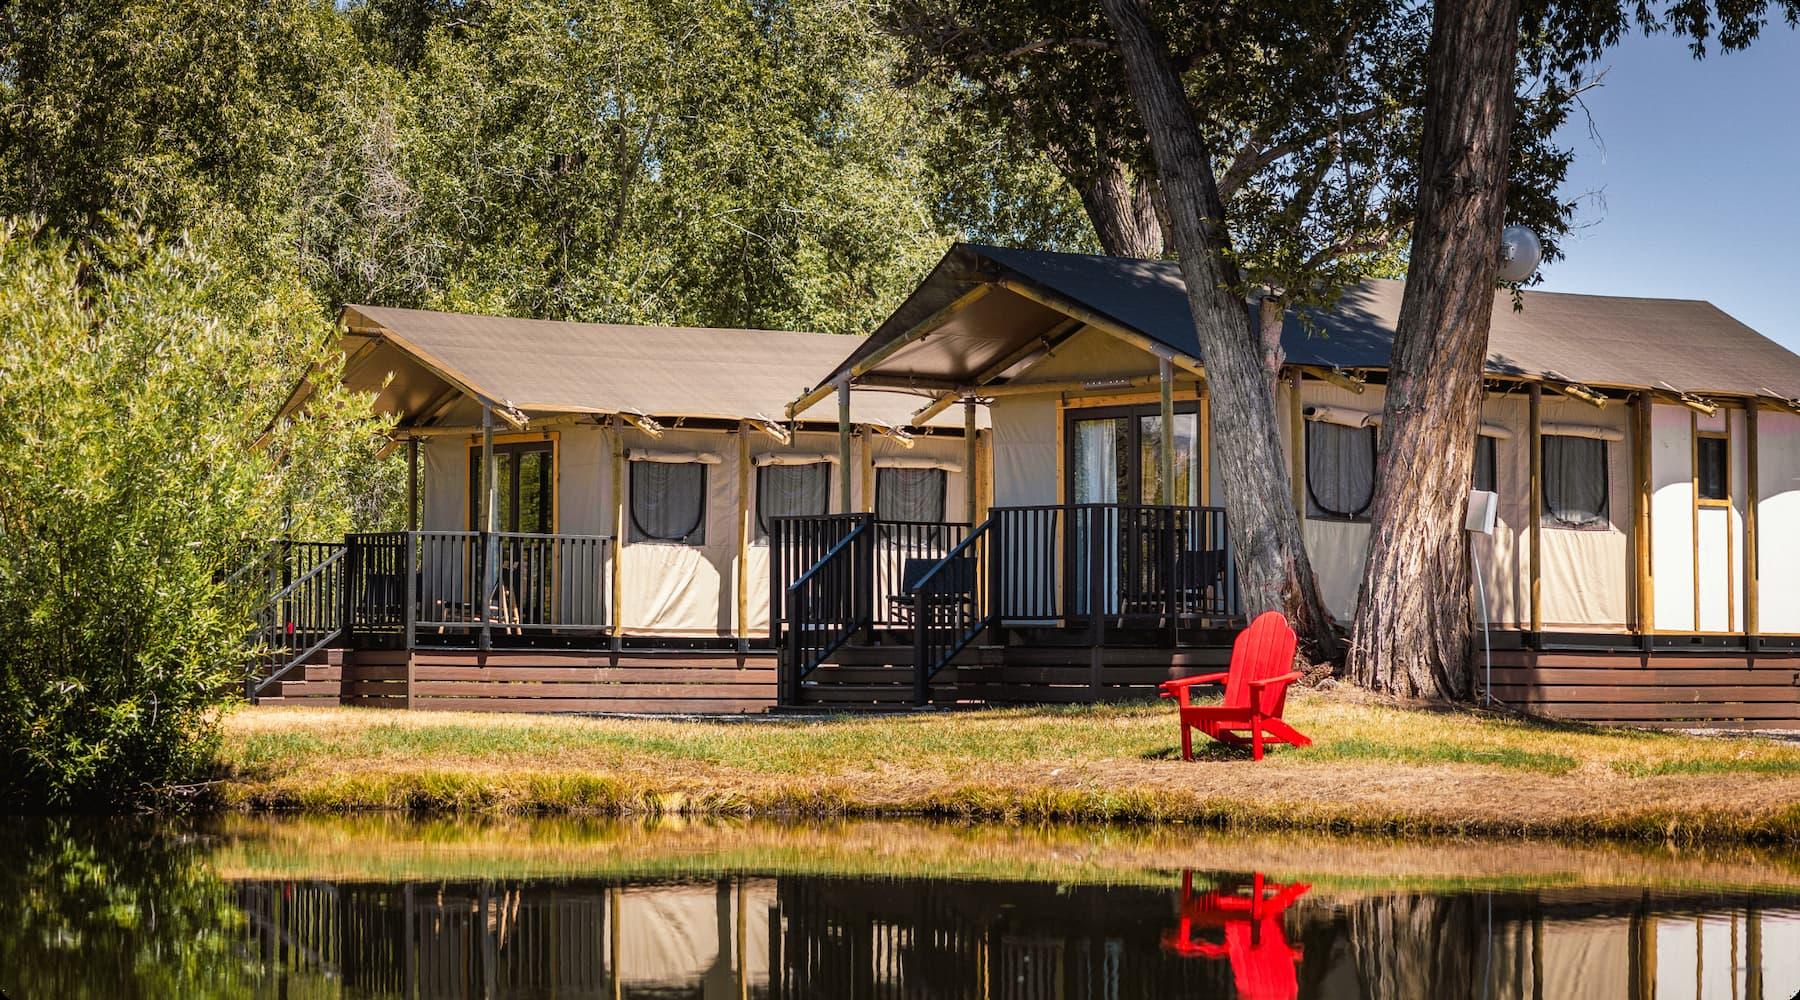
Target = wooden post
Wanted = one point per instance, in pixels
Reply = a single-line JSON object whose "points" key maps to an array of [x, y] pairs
{"points": [[1203, 445], [1752, 496], [490, 519], [743, 538], [616, 933], [868, 471], [412, 484], [843, 397], [618, 546], [1297, 444], [1165, 370], [971, 461], [1644, 588], [1536, 399]]}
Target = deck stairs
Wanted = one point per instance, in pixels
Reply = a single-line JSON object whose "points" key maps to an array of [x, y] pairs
{"points": [[317, 682]]}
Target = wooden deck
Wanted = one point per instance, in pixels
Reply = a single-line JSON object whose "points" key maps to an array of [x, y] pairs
{"points": [[1670, 689], [663, 682]]}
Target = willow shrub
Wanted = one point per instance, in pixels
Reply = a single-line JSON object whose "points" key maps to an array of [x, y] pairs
{"points": [[133, 378]]}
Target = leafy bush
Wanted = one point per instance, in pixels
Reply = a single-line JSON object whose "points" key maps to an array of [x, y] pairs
{"points": [[133, 378]]}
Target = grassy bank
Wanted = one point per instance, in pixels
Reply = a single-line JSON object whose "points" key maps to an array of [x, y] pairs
{"points": [[387, 847], [1372, 768]]}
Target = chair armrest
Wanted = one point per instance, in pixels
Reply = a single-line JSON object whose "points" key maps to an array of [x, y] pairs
{"points": [[1178, 689], [1190, 681], [1287, 678]]}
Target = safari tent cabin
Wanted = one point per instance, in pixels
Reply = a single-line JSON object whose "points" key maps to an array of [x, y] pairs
{"points": [[1644, 453], [636, 476]]}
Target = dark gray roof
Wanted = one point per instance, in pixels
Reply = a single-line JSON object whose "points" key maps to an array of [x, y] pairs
{"points": [[1598, 340]]}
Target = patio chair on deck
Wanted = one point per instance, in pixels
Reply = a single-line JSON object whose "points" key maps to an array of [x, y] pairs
{"points": [[1256, 684], [950, 591]]}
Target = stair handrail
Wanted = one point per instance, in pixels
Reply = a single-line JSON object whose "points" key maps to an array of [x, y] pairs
{"points": [[848, 577], [327, 575], [944, 627]]}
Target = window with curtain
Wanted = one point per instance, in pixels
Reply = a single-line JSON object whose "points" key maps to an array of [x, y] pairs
{"points": [[668, 502], [1575, 493], [910, 494], [791, 491], [1340, 470], [1486, 475], [1712, 473]]}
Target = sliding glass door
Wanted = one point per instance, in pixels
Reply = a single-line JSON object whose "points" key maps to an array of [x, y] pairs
{"points": [[1115, 457]]}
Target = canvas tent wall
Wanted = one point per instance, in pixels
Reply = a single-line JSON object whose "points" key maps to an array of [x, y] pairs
{"points": [[602, 400], [1623, 539]]}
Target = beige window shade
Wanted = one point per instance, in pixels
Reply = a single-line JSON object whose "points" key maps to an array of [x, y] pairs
{"points": [[1342, 416], [1495, 431], [1582, 431], [671, 457], [916, 462], [793, 458]]}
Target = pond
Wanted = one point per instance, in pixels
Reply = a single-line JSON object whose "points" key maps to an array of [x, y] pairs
{"points": [[385, 907]]}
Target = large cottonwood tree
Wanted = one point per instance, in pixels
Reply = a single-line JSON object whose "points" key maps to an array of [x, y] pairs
{"points": [[1412, 632]]}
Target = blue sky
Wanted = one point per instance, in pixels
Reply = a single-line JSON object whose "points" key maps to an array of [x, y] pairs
{"points": [[1690, 187]]}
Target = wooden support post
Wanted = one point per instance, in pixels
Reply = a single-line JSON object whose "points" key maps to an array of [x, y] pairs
{"points": [[1535, 398], [743, 538], [1165, 370], [490, 520], [843, 397], [1643, 589], [1297, 444], [868, 471], [971, 463], [1203, 445], [412, 484], [618, 546], [1752, 497], [614, 913]]}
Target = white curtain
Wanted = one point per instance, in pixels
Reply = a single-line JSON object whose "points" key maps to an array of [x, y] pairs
{"points": [[1097, 461], [668, 502], [1575, 482], [910, 494], [1340, 469], [791, 491]]}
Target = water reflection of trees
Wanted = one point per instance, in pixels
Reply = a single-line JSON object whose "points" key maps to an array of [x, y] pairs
{"points": [[113, 908], [118, 910]]}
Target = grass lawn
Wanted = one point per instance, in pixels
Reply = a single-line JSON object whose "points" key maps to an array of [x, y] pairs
{"points": [[1372, 768]]}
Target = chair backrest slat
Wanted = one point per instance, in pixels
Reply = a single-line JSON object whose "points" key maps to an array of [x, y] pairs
{"points": [[1265, 649]]}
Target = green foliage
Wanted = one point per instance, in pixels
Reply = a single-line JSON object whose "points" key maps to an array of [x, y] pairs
{"points": [[115, 909], [134, 378]]}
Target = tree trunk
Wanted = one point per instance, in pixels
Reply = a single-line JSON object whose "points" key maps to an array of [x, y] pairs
{"points": [[1122, 211], [1273, 570], [1412, 628], [1271, 316]]}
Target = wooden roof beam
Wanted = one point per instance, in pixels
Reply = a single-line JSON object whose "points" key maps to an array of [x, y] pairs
{"points": [[1104, 324]]}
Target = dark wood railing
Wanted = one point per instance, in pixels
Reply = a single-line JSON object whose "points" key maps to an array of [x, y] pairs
{"points": [[796, 545], [952, 604], [828, 605], [408, 588], [303, 615], [1072, 566]]}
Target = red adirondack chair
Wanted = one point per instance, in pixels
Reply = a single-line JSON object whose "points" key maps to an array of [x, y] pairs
{"points": [[1262, 960], [1262, 661]]}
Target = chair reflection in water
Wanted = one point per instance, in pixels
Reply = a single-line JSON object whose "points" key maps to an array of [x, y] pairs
{"points": [[1256, 945]]}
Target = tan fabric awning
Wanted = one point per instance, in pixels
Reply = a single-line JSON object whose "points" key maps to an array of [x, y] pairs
{"points": [[1598, 340], [545, 367]]}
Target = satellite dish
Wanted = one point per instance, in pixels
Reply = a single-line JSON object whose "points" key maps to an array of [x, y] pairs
{"points": [[1520, 253]]}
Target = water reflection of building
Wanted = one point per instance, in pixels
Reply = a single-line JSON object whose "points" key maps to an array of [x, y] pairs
{"points": [[803, 937]]}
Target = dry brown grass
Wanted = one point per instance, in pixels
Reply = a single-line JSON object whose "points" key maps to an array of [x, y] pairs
{"points": [[1373, 768]]}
